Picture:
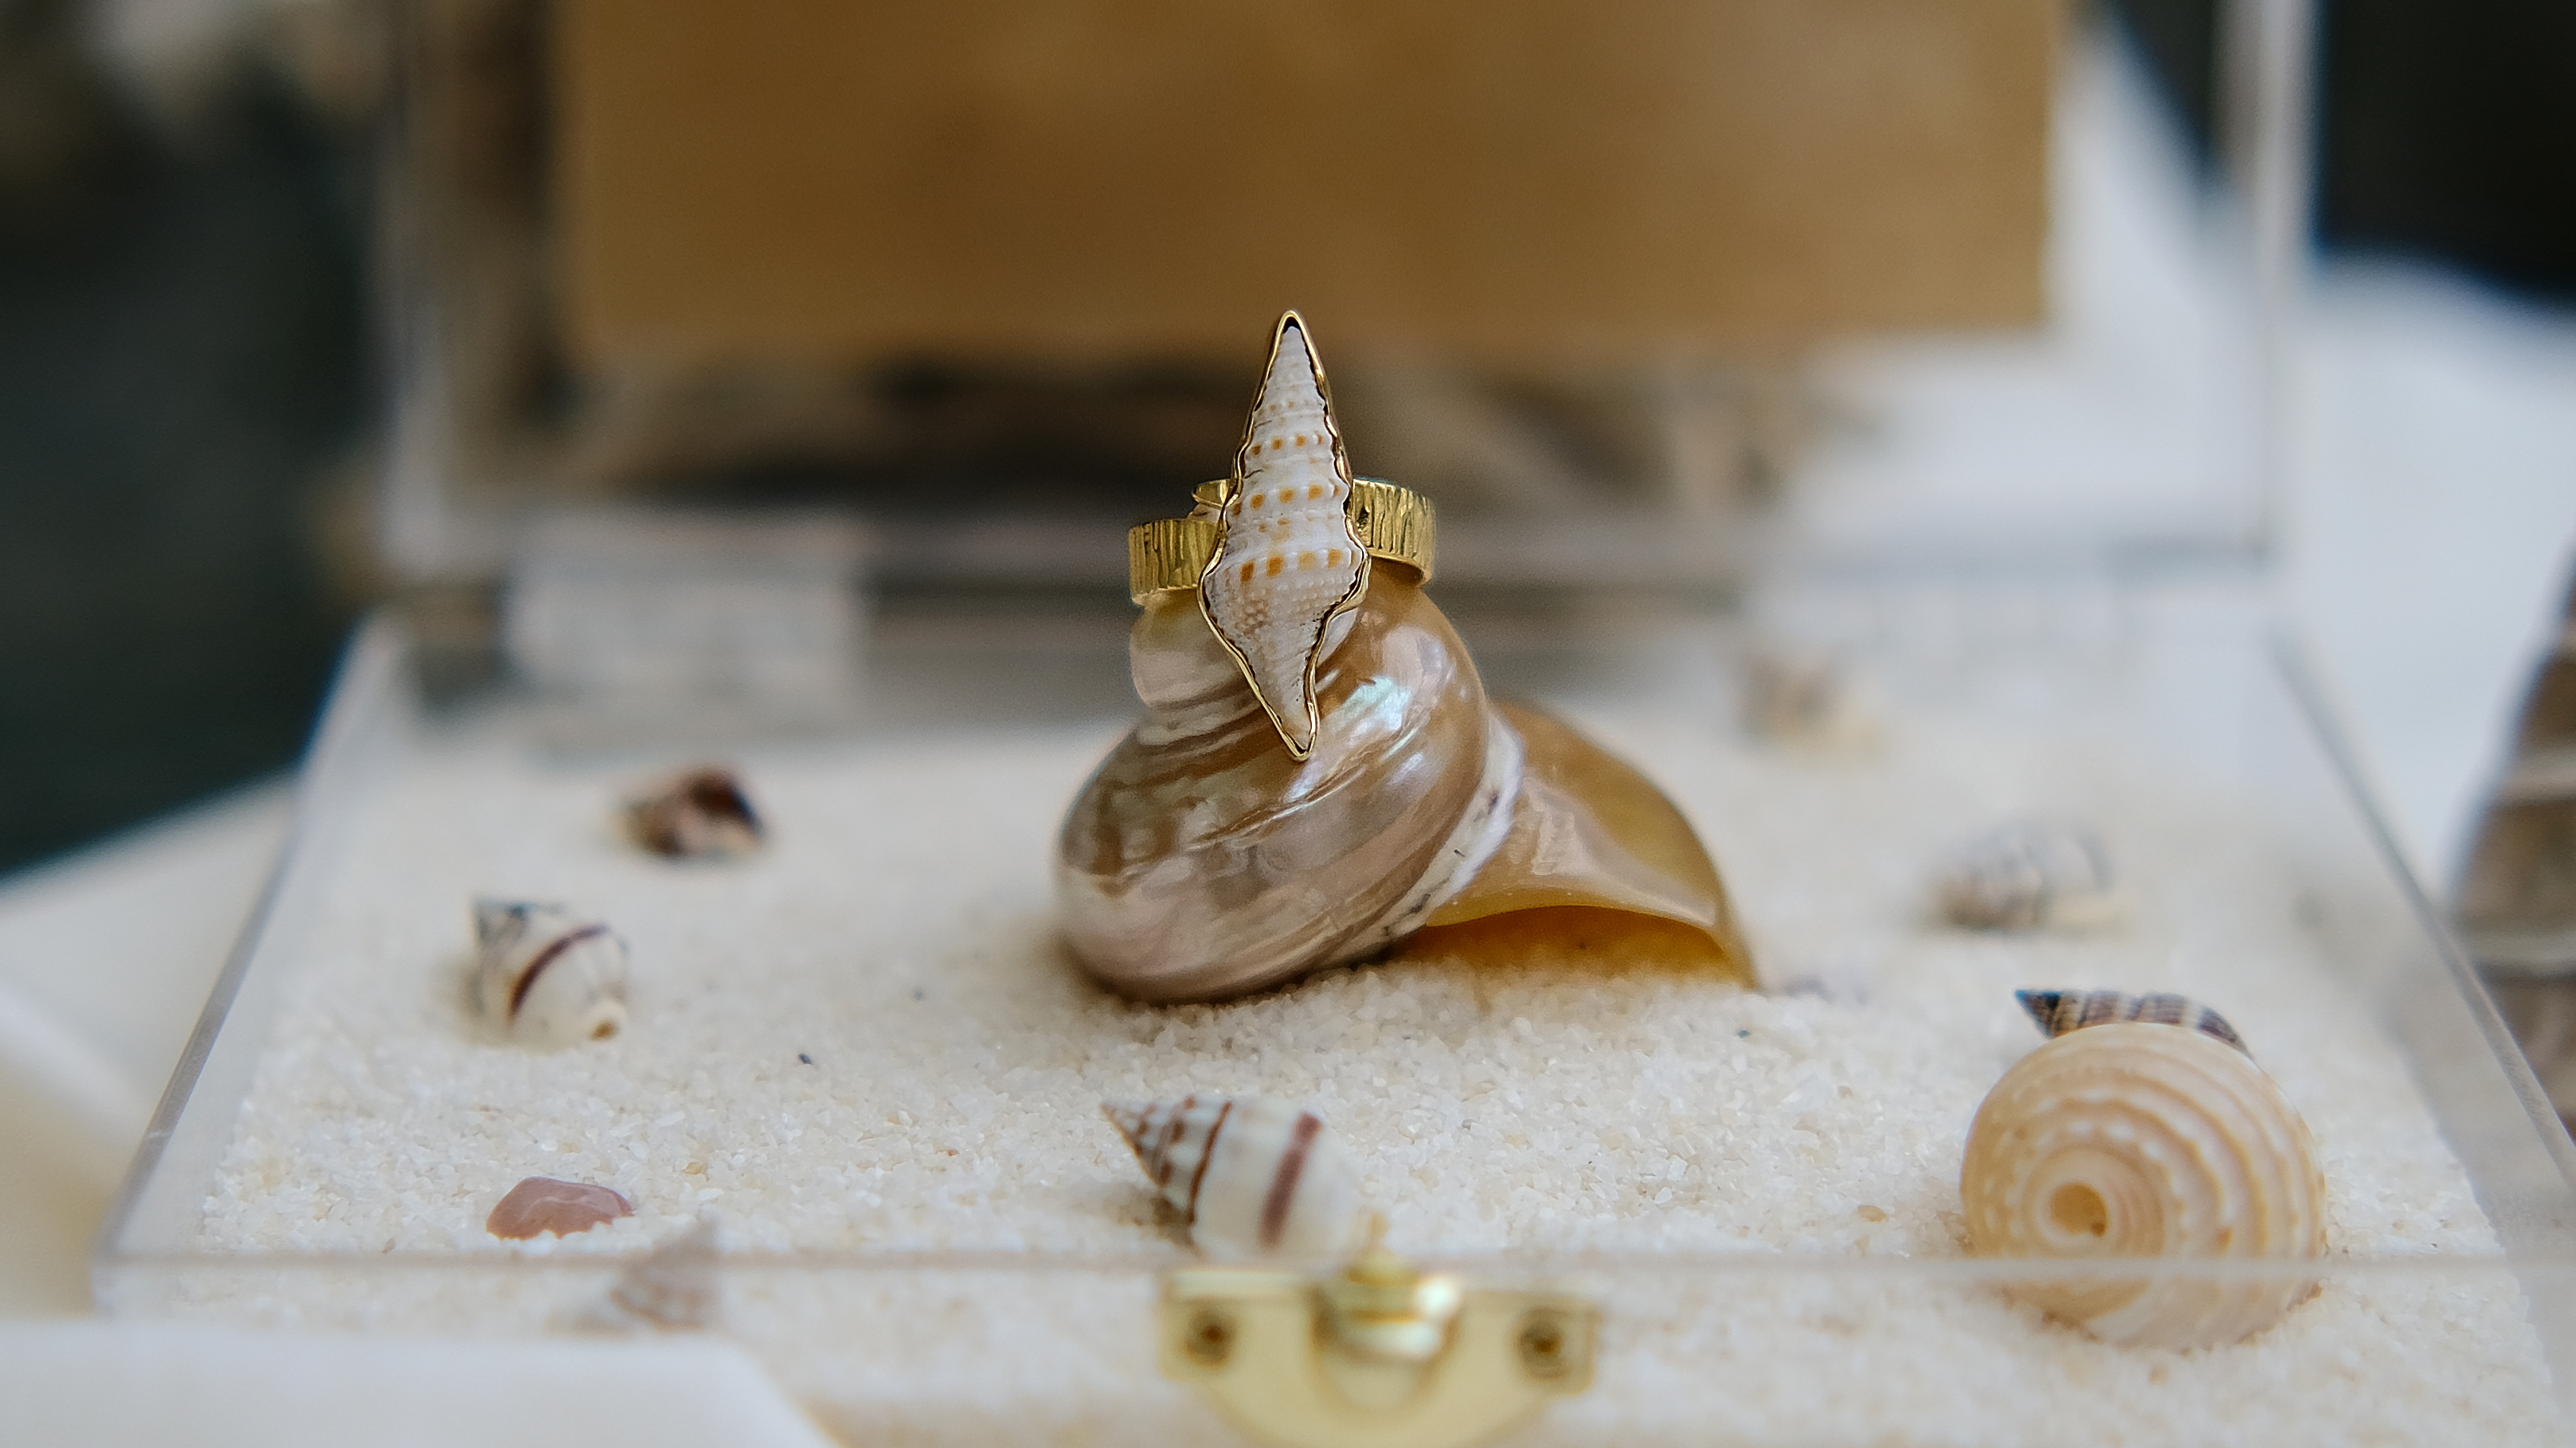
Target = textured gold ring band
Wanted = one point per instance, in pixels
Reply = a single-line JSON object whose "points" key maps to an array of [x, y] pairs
{"points": [[1170, 553]]}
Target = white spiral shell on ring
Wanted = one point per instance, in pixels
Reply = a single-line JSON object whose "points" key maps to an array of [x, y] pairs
{"points": [[1252, 1175], [1290, 559], [2135, 1140], [2029, 874], [545, 976]]}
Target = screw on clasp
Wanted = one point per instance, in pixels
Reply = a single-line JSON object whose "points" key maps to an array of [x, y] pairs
{"points": [[1376, 1355]]}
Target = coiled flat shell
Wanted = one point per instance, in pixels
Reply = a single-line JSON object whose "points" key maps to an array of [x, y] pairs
{"points": [[1290, 558], [1253, 1176], [2132, 1140]]}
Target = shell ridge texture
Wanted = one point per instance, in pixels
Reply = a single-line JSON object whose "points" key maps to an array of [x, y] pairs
{"points": [[2134, 1140], [1289, 559]]}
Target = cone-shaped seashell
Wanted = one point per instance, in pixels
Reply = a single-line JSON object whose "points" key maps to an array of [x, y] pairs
{"points": [[1289, 559], [2029, 874], [2132, 1140], [544, 1204], [673, 1288], [1252, 1176], [701, 814], [546, 976], [2061, 1011]]}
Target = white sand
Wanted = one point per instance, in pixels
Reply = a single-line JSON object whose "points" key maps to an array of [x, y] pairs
{"points": [[898, 933]]}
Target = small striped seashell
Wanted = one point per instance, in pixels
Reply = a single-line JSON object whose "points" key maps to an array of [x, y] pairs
{"points": [[673, 1288], [545, 976], [1253, 1176], [544, 1204], [702, 814], [2133, 1140], [1289, 560], [2029, 874], [2061, 1011]]}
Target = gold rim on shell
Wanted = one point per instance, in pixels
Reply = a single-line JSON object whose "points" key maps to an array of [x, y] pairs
{"points": [[1169, 554]]}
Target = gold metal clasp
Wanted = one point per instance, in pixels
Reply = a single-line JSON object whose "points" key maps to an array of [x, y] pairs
{"points": [[1377, 1355]]}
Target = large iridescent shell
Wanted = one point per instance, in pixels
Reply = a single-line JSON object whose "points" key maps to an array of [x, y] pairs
{"points": [[1202, 860], [1253, 1176], [2136, 1140]]}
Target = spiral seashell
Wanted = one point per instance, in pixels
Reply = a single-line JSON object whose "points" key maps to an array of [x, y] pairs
{"points": [[2061, 1011], [1202, 861], [2029, 874], [1252, 1176], [1289, 559], [702, 814], [2134, 1140], [545, 976]]}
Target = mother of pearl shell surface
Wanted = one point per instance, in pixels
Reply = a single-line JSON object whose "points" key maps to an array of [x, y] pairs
{"points": [[1202, 860]]}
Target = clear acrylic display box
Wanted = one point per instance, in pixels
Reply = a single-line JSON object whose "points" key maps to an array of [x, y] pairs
{"points": [[964, 1332]]}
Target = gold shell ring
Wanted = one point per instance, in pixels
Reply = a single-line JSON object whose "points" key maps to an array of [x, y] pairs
{"points": [[1320, 777]]}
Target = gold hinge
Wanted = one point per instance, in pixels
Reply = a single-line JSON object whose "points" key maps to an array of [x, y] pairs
{"points": [[1375, 1356]]}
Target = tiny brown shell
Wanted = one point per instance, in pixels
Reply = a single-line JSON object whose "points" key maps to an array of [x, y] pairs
{"points": [[702, 814], [544, 1204]]}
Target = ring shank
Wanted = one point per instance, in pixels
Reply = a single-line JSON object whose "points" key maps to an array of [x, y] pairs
{"points": [[1394, 523]]}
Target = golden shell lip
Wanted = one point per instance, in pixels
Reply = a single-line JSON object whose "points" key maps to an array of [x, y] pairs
{"points": [[1168, 555]]}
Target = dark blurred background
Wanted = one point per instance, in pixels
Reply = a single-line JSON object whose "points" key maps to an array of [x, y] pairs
{"points": [[187, 384]]}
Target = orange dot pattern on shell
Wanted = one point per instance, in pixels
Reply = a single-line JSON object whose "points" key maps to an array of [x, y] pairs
{"points": [[1291, 557]]}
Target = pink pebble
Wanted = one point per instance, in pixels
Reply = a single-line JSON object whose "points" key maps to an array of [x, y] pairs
{"points": [[543, 1204]]}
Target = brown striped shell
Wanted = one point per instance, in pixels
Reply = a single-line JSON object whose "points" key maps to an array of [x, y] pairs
{"points": [[545, 976], [1202, 860], [2133, 1140], [2060, 1011], [1253, 1176]]}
